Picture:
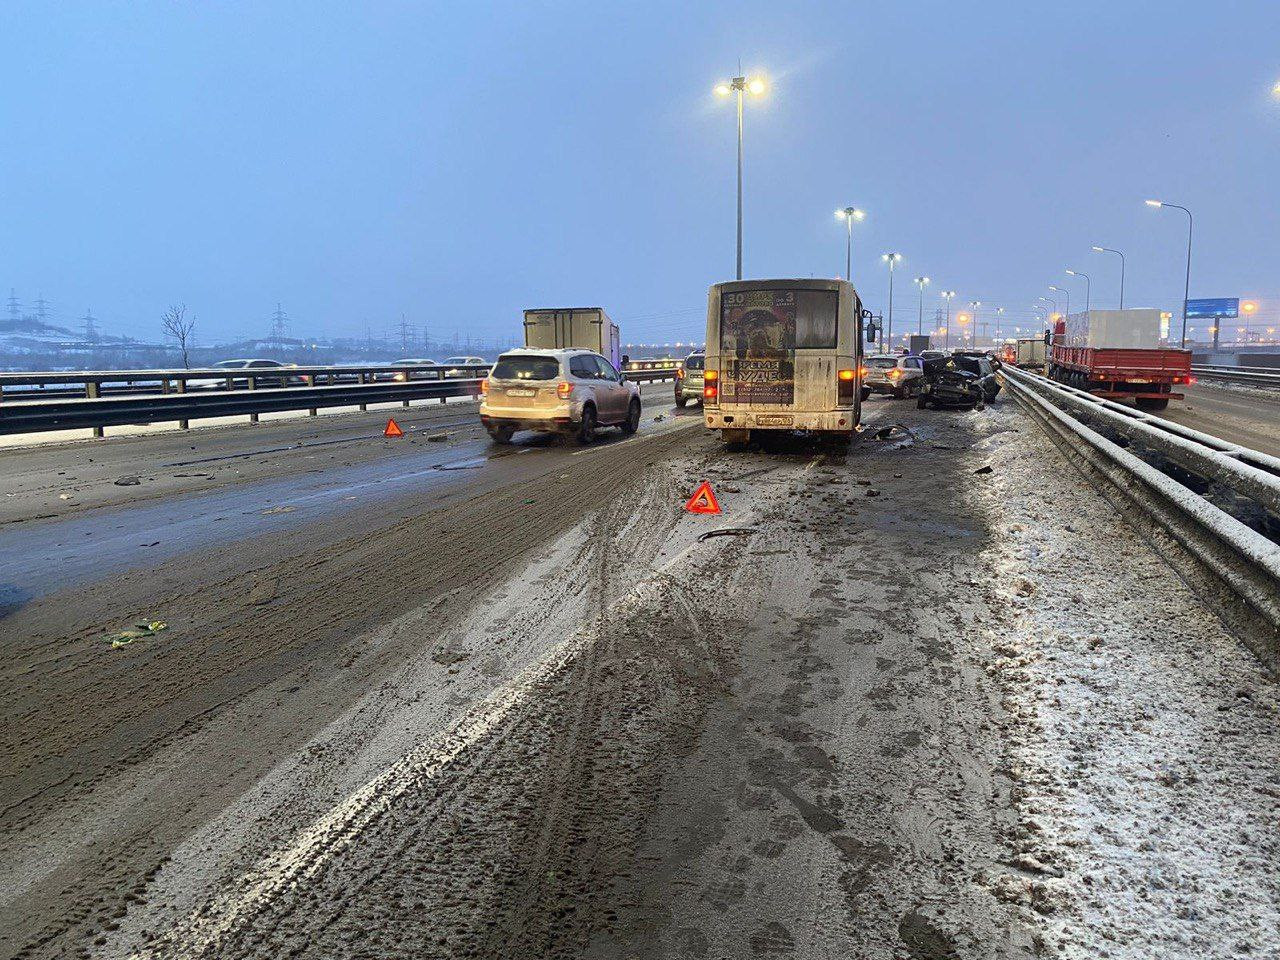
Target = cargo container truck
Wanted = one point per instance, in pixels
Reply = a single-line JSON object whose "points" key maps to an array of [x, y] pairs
{"points": [[588, 328], [1119, 354], [1030, 353]]}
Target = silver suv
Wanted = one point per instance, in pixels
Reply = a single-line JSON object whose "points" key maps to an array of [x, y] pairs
{"points": [[689, 378], [902, 376], [559, 391]]}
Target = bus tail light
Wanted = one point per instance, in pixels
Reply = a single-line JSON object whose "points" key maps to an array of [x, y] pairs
{"points": [[564, 389], [711, 392], [846, 380]]}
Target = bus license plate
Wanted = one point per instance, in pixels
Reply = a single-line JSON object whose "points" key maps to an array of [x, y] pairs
{"points": [[774, 419], [516, 392]]}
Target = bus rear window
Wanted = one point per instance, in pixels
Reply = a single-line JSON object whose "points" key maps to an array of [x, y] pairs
{"points": [[526, 368], [770, 322]]}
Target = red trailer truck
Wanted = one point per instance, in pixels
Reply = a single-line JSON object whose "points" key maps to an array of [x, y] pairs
{"points": [[1119, 354]]}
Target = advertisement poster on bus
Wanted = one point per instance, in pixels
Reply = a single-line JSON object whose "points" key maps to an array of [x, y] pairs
{"points": [[757, 346]]}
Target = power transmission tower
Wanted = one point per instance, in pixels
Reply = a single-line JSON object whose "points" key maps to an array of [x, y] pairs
{"points": [[279, 326], [406, 333], [42, 313], [90, 327], [15, 308]]}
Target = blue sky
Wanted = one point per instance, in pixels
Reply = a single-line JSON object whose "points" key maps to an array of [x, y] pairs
{"points": [[459, 162]]}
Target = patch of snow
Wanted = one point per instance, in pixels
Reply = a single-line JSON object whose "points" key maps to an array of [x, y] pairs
{"points": [[1143, 740]]}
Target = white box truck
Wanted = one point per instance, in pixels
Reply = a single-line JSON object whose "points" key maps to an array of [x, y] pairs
{"points": [[1031, 352], [1115, 329], [589, 328]]}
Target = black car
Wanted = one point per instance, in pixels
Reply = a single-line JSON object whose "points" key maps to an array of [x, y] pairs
{"points": [[960, 380]]}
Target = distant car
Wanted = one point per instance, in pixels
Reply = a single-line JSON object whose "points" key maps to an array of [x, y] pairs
{"points": [[404, 375], [958, 380], [562, 391], [932, 354], [901, 376], [689, 378], [240, 382], [451, 365]]}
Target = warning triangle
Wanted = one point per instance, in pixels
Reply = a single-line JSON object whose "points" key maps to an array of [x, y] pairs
{"points": [[703, 500], [393, 430]]}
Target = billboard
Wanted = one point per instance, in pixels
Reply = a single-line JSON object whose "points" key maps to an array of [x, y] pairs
{"points": [[757, 346], [1216, 308]]}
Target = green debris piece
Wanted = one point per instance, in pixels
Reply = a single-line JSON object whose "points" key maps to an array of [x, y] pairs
{"points": [[143, 628]]}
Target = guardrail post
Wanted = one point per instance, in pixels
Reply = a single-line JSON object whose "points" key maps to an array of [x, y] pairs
{"points": [[440, 377], [183, 424], [92, 391], [311, 382], [363, 406], [164, 385], [253, 385]]}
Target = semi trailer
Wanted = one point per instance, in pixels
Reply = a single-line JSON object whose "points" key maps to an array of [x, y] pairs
{"points": [[1119, 354]]}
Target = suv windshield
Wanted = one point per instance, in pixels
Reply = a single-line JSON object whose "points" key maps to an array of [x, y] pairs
{"points": [[526, 368], [695, 363]]}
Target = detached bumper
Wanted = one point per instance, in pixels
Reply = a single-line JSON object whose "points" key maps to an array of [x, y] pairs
{"points": [[690, 391], [832, 421]]}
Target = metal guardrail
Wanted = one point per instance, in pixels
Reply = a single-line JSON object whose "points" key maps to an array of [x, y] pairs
{"points": [[96, 383], [1254, 376], [1240, 566], [43, 414]]}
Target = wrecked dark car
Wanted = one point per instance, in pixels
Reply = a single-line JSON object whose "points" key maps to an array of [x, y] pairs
{"points": [[959, 380]]}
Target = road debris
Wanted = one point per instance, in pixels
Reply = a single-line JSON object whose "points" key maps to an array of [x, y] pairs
{"points": [[128, 481], [437, 438], [727, 532], [982, 470], [143, 628]]}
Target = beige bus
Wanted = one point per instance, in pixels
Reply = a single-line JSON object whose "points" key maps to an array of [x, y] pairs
{"points": [[783, 355]]}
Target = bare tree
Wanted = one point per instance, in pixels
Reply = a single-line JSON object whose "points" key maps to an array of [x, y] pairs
{"points": [[178, 327]]}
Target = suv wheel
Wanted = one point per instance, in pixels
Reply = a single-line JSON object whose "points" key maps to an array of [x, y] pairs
{"points": [[632, 423], [681, 400], [501, 434], [587, 428]]}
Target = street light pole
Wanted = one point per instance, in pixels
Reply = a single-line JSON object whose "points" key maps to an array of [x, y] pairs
{"points": [[1186, 290], [1121, 256], [921, 282], [892, 259], [848, 215], [947, 295], [973, 309], [741, 85], [1087, 287], [1066, 295]]}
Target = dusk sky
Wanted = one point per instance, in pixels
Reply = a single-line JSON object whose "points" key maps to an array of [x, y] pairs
{"points": [[459, 162]]}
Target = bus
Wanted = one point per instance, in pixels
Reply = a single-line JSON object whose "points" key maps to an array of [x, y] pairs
{"points": [[783, 355]]}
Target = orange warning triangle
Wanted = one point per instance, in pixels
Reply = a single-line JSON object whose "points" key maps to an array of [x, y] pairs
{"points": [[393, 430], [703, 500]]}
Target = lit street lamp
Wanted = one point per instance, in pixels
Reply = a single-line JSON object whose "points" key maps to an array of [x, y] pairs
{"points": [[1121, 256], [848, 215], [921, 282], [948, 295], [1186, 290], [741, 85], [974, 305], [1088, 287], [892, 259], [1066, 294]]}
